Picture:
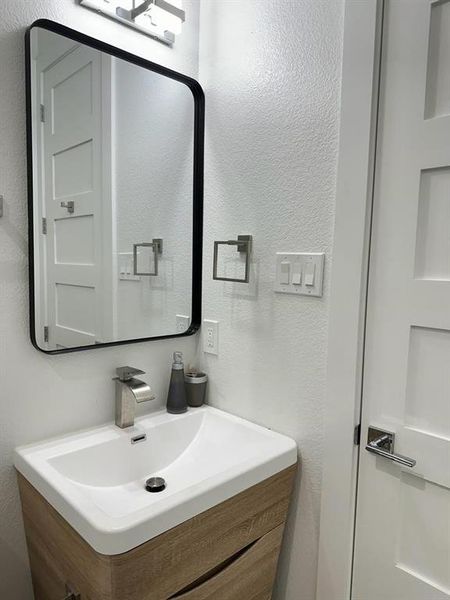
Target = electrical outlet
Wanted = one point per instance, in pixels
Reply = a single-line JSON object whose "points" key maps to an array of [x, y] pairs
{"points": [[182, 323], [211, 336]]}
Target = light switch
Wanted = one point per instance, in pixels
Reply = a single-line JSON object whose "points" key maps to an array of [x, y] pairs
{"points": [[310, 273], [299, 273], [285, 272]]}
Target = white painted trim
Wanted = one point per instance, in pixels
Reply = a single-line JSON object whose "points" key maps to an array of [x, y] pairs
{"points": [[39, 248], [108, 266], [360, 80]]}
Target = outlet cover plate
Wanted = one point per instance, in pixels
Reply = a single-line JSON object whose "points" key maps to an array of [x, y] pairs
{"points": [[182, 323], [210, 336]]}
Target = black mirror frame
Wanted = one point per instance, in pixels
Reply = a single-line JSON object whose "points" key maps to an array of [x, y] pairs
{"points": [[198, 160]]}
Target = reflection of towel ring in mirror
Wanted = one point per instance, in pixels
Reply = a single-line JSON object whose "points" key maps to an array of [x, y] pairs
{"points": [[157, 246], [244, 246]]}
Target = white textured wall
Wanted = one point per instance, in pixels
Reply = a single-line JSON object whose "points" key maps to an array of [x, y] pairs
{"points": [[42, 396], [271, 73]]}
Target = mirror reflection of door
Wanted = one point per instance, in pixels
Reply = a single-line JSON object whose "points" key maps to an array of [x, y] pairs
{"points": [[113, 156], [69, 86]]}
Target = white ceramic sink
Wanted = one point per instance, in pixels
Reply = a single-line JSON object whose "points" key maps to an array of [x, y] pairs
{"points": [[96, 478]]}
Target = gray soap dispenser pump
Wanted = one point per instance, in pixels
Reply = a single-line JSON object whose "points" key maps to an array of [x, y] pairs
{"points": [[176, 398]]}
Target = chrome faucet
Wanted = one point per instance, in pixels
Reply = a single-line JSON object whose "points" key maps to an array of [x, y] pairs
{"points": [[128, 391]]}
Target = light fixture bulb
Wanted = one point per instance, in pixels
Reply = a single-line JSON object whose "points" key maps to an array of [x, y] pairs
{"points": [[161, 19], [157, 21]]}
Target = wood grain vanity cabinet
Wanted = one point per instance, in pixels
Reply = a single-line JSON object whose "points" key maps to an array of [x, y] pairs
{"points": [[229, 552]]}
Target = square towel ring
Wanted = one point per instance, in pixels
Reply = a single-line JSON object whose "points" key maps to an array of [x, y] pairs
{"points": [[157, 246], [244, 246]]}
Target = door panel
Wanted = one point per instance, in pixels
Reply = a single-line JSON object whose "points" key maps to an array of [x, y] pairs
{"points": [[72, 139], [402, 549]]}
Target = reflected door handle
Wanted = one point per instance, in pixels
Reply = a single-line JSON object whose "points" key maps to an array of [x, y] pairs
{"points": [[70, 205], [382, 443]]}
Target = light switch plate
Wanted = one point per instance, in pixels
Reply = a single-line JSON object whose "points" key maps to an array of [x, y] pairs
{"points": [[211, 336], [125, 263], [303, 264]]}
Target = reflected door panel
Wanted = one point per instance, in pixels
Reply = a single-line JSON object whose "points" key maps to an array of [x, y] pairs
{"points": [[72, 194]]}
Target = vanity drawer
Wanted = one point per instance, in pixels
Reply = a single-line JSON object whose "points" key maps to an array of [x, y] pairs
{"points": [[249, 575]]}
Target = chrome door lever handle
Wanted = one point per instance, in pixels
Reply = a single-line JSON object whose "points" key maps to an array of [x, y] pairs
{"points": [[382, 443], [70, 205], [398, 458]]}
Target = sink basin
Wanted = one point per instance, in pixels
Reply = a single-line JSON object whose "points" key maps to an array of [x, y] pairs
{"points": [[96, 478]]}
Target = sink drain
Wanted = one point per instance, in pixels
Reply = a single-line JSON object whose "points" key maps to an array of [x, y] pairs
{"points": [[155, 484]]}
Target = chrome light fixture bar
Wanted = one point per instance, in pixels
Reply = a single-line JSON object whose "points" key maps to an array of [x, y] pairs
{"points": [[159, 19]]}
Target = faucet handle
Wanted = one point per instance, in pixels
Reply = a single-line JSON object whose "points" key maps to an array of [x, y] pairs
{"points": [[127, 373]]}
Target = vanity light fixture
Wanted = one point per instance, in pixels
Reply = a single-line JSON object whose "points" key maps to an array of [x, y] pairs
{"points": [[160, 19]]}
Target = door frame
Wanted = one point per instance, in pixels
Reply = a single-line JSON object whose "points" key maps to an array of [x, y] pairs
{"points": [[348, 298]]}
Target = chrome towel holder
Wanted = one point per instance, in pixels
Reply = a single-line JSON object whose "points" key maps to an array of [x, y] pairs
{"points": [[244, 246], [157, 246]]}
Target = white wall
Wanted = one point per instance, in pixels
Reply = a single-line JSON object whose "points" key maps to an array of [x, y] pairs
{"points": [[42, 396], [271, 73]]}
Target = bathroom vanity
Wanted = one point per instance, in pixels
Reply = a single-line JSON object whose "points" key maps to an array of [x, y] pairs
{"points": [[214, 533], [229, 552]]}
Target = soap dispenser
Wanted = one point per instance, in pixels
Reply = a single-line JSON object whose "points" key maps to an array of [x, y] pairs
{"points": [[176, 398]]}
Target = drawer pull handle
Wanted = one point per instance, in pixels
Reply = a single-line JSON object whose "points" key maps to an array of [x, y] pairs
{"points": [[70, 594]]}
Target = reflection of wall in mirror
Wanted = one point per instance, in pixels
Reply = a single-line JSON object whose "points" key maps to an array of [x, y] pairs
{"points": [[153, 131]]}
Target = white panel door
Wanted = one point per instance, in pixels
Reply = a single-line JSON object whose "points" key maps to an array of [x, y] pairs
{"points": [[72, 147], [402, 549]]}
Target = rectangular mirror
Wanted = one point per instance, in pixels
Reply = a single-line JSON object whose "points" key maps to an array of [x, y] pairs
{"points": [[115, 170]]}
